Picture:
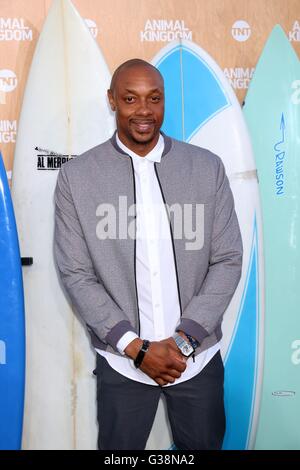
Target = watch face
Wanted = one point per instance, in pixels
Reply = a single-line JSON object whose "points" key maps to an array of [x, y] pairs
{"points": [[187, 349]]}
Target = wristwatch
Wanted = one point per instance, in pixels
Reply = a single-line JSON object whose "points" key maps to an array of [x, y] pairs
{"points": [[186, 348], [139, 358]]}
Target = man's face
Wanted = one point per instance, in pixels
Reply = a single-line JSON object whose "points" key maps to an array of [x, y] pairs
{"points": [[138, 100]]}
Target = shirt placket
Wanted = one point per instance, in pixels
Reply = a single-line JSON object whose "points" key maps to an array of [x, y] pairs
{"points": [[152, 238]]}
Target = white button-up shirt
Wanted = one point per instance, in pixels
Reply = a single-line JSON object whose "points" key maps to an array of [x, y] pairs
{"points": [[159, 308]]}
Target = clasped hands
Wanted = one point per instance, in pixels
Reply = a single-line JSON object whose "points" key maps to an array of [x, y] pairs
{"points": [[163, 361]]}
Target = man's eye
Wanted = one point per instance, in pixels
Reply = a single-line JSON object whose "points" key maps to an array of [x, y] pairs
{"points": [[155, 99], [129, 99]]}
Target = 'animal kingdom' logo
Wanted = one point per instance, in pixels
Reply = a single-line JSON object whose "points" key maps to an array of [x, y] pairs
{"points": [[294, 34], [14, 29]]}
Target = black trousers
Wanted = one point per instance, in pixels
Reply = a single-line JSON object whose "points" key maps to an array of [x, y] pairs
{"points": [[126, 409]]}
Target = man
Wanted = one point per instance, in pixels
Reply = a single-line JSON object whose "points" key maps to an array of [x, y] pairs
{"points": [[152, 299]]}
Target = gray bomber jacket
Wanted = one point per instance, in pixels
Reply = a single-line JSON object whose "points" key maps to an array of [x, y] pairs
{"points": [[98, 273]]}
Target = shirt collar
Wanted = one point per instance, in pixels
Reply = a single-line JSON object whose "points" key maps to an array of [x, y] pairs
{"points": [[154, 155]]}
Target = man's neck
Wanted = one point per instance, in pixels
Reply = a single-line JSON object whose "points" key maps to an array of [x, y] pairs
{"points": [[140, 149]]}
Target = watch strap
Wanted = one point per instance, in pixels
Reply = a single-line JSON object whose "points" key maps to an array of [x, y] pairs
{"points": [[192, 341], [141, 354]]}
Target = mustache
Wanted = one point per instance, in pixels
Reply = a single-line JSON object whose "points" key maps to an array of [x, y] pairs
{"points": [[143, 120]]}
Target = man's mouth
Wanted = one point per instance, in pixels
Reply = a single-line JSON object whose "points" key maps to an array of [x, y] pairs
{"points": [[143, 126]]}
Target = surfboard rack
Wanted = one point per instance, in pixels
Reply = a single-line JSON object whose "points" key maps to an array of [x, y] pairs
{"points": [[26, 261]]}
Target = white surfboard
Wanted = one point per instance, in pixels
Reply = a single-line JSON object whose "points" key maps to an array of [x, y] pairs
{"points": [[202, 109], [64, 113]]}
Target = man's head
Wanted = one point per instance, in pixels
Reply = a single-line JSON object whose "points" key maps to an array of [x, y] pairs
{"points": [[136, 94]]}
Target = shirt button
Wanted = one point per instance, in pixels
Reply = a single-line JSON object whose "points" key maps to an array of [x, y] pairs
{"points": [[154, 273], [157, 305]]}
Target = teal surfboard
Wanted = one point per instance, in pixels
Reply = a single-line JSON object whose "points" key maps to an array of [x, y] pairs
{"points": [[12, 324], [272, 111], [202, 109]]}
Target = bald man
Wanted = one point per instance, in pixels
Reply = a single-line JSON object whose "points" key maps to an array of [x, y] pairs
{"points": [[148, 247]]}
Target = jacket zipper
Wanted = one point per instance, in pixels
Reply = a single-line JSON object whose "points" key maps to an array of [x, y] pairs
{"points": [[172, 238], [134, 264]]}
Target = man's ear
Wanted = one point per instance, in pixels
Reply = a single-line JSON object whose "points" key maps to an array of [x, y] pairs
{"points": [[111, 100]]}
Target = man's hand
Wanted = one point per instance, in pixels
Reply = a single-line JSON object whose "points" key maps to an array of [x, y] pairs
{"points": [[163, 361]]}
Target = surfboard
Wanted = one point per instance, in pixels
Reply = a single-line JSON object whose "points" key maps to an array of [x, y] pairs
{"points": [[202, 109], [12, 325], [272, 111], [64, 113]]}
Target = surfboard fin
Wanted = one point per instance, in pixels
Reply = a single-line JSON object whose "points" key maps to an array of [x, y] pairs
{"points": [[27, 261]]}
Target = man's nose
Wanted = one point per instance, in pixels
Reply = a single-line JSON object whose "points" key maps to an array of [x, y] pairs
{"points": [[143, 108]]}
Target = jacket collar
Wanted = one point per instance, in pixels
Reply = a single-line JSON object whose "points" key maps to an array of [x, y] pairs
{"points": [[167, 140]]}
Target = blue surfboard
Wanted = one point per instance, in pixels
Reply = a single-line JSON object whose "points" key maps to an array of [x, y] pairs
{"points": [[12, 324], [202, 109], [272, 111]]}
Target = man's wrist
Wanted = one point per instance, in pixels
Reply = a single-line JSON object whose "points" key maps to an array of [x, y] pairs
{"points": [[181, 333], [183, 345], [133, 348], [190, 339], [141, 354], [125, 340]]}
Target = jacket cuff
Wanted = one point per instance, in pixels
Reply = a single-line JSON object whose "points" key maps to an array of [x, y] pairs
{"points": [[193, 329], [117, 332]]}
